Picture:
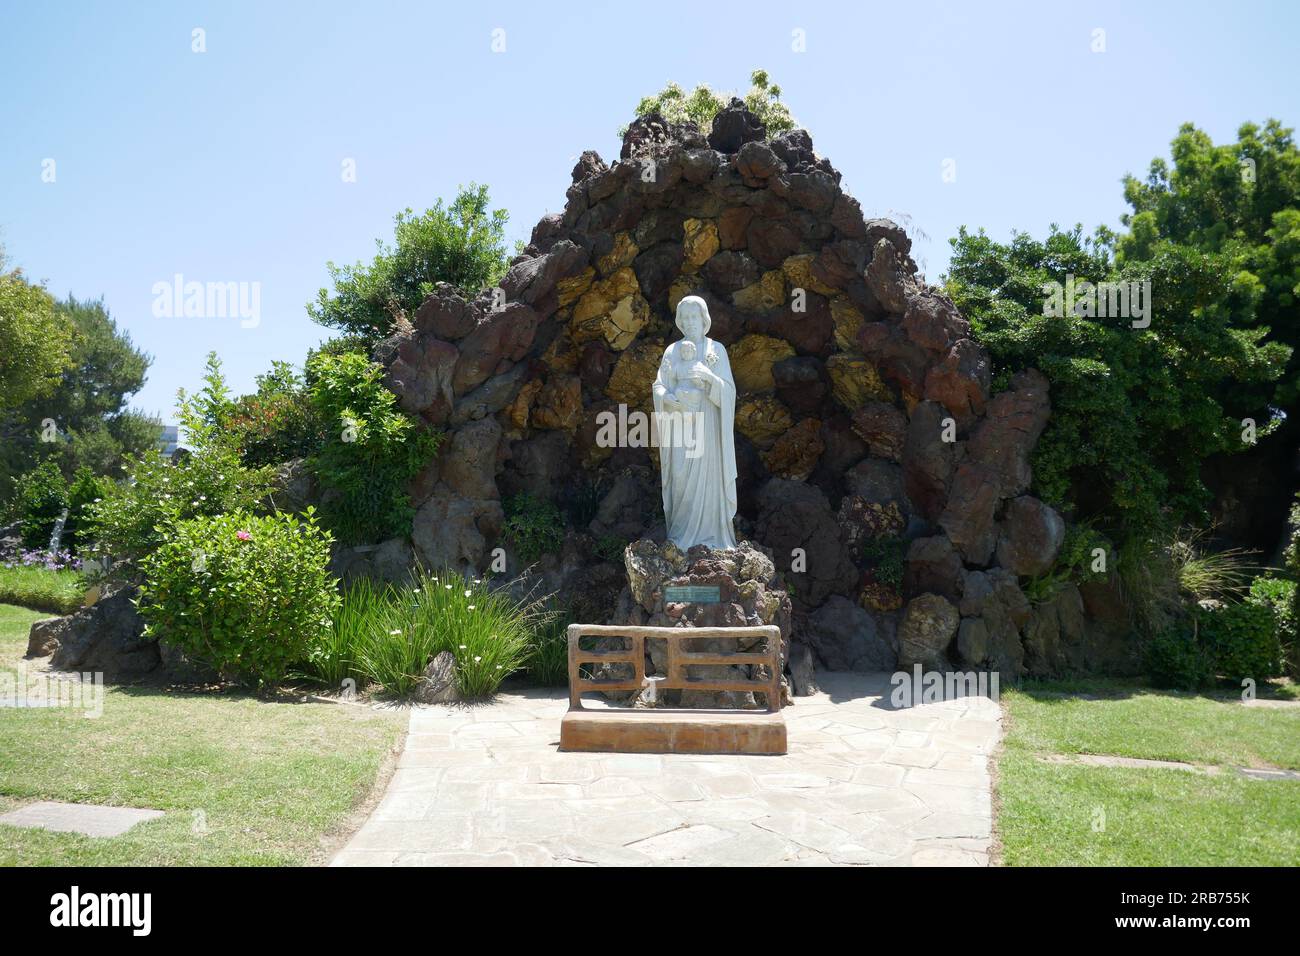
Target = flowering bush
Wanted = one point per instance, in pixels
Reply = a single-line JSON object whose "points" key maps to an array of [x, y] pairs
{"points": [[248, 595], [135, 517]]}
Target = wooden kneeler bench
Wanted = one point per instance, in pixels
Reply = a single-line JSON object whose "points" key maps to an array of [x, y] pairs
{"points": [[665, 730]]}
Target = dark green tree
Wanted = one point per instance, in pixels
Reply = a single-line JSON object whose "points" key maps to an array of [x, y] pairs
{"points": [[1135, 411], [1237, 200]]}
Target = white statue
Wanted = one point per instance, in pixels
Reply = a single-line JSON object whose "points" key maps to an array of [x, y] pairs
{"points": [[698, 462]]}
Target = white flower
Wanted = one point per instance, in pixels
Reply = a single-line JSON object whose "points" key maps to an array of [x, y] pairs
{"points": [[447, 586], [468, 593], [477, 659], [462, 647], [470, 608], [395, 633]]}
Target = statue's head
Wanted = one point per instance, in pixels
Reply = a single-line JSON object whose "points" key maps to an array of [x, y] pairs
{"points": [[693, 317]]}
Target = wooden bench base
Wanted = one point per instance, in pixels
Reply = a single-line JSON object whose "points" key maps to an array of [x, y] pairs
{"points": [[673, 732]]}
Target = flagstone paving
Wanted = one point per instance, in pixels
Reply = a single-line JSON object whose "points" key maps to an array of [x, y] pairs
{"points": [[86, 818], [863, 783]]}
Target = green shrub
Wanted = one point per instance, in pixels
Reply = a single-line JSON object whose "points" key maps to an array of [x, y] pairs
{"points": [[463, 244], [87, 489], [278, 422], [1135, 412], [1293, 566], [42, 497], [1176, 659], [136, 516], [534, 527], [248, 595], [1279, 596], [1242, 641], [371, 449]]}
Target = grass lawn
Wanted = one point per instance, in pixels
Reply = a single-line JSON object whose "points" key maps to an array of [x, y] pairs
{"points": [[59, 592], [1067, 814], [242, 781]]}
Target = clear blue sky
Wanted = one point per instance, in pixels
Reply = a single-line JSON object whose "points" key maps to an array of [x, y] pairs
{"points": [[225, 165]]}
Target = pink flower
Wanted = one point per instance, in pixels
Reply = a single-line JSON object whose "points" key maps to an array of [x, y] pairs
{"points": [[243, 536]]}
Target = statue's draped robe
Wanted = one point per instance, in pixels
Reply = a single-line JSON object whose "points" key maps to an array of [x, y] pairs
{"points": [[699, 492]]}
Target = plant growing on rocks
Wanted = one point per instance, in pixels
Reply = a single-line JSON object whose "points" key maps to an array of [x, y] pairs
{"points": [[462, 243], [534, 527], [278, 422], [371, 451], [701, 104], [1135, 411]]}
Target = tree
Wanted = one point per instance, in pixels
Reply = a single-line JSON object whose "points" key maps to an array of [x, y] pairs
{"points": [[462, 244], [34, 339], [1143, 417], [699, 106], [86, 414], [1240, 200], [1135, 411]]}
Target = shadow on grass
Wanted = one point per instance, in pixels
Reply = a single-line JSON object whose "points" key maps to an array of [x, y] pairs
{"points": [[1120, 688]]}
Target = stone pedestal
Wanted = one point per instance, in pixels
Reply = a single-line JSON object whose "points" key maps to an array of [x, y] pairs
{"points": [[704, 587]]}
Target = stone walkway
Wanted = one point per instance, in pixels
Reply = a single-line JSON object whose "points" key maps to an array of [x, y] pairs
{"points": [[863, 784]]}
